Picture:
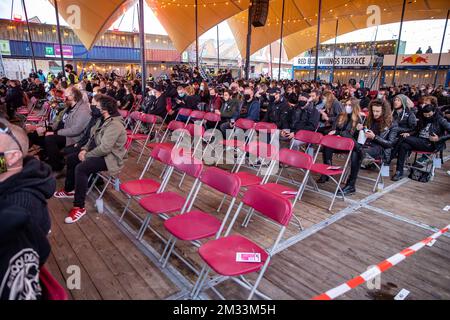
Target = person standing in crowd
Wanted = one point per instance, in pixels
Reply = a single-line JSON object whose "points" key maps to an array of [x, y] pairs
{"points": [[72, 77], [430, 136], [380, 136], [429, 50], [346, 125], [419, 51], [105, 151], [68, 129], [119, 90]]}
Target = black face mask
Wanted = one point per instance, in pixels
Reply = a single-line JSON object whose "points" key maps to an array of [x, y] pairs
{"points": [[302, 103], [428, 120], [95, 112], [271, 98], [247, 97]]}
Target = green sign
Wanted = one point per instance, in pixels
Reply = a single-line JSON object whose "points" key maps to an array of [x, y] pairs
{"points": [[49, 51], [4, 47]]}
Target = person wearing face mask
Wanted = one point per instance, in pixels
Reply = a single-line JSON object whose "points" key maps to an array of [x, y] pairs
{"points": [[430, 135], [158, 104], [249, 109], [381, 136], [24, 181], [302, 116], [95, 116], [25, 185], [346, 125], [204, 93], [229, 106], [68, 129], [149, 98], [71, 75], [104, 151], [277, 112]]}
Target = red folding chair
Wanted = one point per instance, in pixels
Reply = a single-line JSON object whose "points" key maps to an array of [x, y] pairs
{"points": [[196, 115], [135, 189], [233, 140], [51, 289], [337, 143], [220, 255], [310, 138], [195, 225], [183, 112], [289, 159], [167, 202]]}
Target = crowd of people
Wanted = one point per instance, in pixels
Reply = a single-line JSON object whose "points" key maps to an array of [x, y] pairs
{"points": [[86, 134]]}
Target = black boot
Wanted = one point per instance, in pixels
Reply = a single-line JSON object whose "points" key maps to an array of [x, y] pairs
{"points": [[323, 179], [397, 176], [349, 189]]}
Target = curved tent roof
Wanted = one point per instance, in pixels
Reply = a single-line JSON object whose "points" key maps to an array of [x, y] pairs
{"points": [[89, 19], [176, 16], [299, 42], [301, 19]]}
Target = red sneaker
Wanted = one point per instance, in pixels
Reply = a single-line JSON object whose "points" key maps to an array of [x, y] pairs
{"points": [[63, 194], [75, 214]]}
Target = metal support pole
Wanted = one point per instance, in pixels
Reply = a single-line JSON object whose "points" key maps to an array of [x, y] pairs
{"points": [[58, 29], [249, 41], [142, 41], [398, 41], [196, 33], [29, 35], [281, 40], [316, 65], [334, 51], [271, 60], [440, 51], [218, 50]]}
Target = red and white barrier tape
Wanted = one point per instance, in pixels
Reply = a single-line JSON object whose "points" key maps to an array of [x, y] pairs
{"points": [[379, 268]]}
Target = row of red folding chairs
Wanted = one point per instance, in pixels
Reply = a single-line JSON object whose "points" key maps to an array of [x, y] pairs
{"points": [[195, 225]]}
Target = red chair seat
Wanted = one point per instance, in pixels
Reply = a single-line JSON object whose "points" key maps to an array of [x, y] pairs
{"points": [[23, 112], [233, 143], [279, 189], [129, 131], [164, 202], [138, 136], [168, 145], [193, 225], [220, 255], [423, 152], [322, 169], [248, 179], [34, 118], [140, 187]]}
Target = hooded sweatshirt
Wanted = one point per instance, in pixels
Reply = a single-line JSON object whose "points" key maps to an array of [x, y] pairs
{"points": [[405, 119], [30, 190], [24, 248]]}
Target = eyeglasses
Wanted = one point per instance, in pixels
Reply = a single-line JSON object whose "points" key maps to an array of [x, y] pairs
{"points": [[4, 129]]}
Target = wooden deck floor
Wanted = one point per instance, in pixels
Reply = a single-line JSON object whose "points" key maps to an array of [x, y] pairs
{"points": [[360, 232]]}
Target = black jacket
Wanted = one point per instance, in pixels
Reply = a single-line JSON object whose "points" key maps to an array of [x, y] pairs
{"points": [[278, 113], [303, 118], [346, 129], [405, 120], [158, 106], [387, 139], [439, 126], [14, 97], [24, 248], [30, 189]]}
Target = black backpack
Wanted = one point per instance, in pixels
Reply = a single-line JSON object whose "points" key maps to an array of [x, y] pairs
{"points": [[419, 175]]}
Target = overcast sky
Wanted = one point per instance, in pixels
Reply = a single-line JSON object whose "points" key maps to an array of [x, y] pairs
{"points": [[416, 33]]}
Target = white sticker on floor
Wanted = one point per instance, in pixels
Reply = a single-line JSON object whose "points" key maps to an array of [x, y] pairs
{"points": [[446, 208], [402, 295]]}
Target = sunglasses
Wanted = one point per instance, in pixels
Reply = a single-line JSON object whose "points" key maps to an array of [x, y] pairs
{"points": [[4, 129]]}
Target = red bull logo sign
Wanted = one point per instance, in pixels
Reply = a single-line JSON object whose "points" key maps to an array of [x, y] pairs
{"points": [[415, 59]]}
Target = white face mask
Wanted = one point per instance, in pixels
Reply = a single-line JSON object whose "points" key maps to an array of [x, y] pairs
{"points": [[348, 109], [379, 96], [324, 100]]}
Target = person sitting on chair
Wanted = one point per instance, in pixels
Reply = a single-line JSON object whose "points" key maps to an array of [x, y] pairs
{"points": [[381, 136], [430, 136], [104, 151]]}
